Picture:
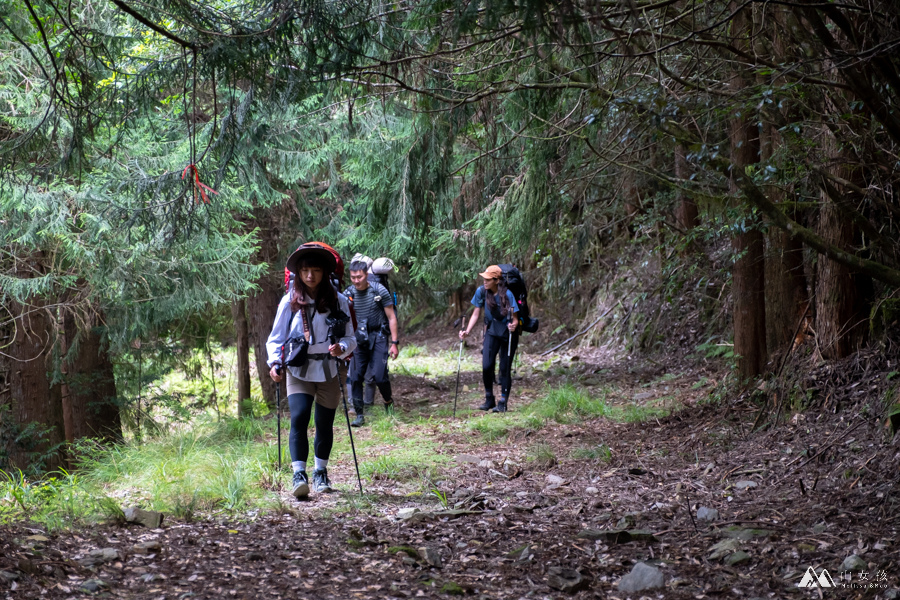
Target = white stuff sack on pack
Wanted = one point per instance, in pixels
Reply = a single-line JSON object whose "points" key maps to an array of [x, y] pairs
{"points": [[360, 257], [383, 266]]}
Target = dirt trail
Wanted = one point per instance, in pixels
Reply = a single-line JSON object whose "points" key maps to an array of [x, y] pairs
{"points": [[810, 493]]}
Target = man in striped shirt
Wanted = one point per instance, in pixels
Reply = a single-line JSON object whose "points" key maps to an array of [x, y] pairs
{"points": [[376, 335]]}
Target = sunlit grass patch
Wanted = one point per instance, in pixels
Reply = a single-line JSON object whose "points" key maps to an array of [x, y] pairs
{"points": [[491, 429], [403, 464], [57, 501], [243, 429], [385, 427], [568, 404], [411, 351], [222, 464], [442, 363]]}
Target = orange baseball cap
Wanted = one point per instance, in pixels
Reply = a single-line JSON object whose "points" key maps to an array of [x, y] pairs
{"points": [[492, 272]]}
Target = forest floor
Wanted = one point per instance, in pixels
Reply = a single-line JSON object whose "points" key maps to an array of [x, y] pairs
{"points": [[714, 504]]}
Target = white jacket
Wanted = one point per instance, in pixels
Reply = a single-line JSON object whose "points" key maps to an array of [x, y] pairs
{"points": [[315, 369]]}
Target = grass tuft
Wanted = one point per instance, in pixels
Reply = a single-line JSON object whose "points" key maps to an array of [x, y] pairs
{"points": [[491, 429], [601, 453], [568, 405], [542, 455], [57, 501], [403, 464], [217, 464]]}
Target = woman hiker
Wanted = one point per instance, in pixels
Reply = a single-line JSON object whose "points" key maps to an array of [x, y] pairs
{"points": [[314, 310], [500, 321]]}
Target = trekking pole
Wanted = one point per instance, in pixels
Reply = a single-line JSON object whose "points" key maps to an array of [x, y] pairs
{"points": [[458, 367], [337, 363], [278, 418], [509, 350]]}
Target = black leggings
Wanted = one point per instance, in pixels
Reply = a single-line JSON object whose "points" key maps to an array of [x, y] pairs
{"points": [[492, 346], [301, 408]]}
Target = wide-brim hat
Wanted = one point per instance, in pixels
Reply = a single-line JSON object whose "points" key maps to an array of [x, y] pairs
{"points": [[308, 251]]}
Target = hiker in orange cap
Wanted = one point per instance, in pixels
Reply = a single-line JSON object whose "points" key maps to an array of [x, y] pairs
{"points": [[500, 322]]}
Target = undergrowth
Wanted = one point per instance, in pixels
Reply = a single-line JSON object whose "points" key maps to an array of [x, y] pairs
{"points": [[212, 466]]}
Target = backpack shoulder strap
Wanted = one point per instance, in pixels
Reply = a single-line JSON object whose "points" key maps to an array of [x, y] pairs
{"points": [[307, 332]]}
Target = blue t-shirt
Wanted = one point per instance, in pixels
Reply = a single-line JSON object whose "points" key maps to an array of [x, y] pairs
{"points": [[495, 320]]}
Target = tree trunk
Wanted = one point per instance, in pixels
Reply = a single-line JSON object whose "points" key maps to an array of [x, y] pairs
{"points": [[841, 295], [90, 406], [749, 268], [458, 307], [631, 194], [238, 313], [749, 303], [686, 213], [25, 389], [787, 300], [261, 308]]}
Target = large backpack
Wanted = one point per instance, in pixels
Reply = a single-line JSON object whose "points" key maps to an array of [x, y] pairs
{"points": [[515, 283], [381, 268]]}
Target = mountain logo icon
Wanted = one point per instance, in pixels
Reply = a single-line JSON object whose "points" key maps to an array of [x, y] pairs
{"points": [[811, 580]]}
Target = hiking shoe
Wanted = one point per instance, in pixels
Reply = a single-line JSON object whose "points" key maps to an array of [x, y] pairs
{"points": [[488, 404], [501, 407], [389, 408], [360, 419], [321, 483], [300, 485]]}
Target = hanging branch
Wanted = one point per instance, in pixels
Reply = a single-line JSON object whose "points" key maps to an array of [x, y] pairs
{"points": [[161, 31]]}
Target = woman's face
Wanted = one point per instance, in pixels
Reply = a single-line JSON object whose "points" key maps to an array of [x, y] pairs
{"points": [[311, 276], [491, 284]]}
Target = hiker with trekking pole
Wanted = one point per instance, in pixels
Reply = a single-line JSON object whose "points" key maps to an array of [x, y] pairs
{"points": [[310, 312], [500, 336]]}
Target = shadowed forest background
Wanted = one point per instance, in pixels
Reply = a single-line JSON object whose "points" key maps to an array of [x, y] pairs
{"points": [[708, 180], [730, 165]]}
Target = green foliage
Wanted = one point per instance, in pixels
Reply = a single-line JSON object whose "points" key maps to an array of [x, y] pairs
{"points": [[714, 349], [57, 501], [448, 135], [893, 418], [491, 430], [214, 464], [568, 405], [634, 413], [29, 440], [440, 364], [403, 464], [411, 351], [441, 496]]}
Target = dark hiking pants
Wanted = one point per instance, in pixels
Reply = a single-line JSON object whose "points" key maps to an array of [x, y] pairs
{"points": [[370, 362], [492, 346]]}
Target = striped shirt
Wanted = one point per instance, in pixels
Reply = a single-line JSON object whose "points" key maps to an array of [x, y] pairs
{"points": [[367, 308]]}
